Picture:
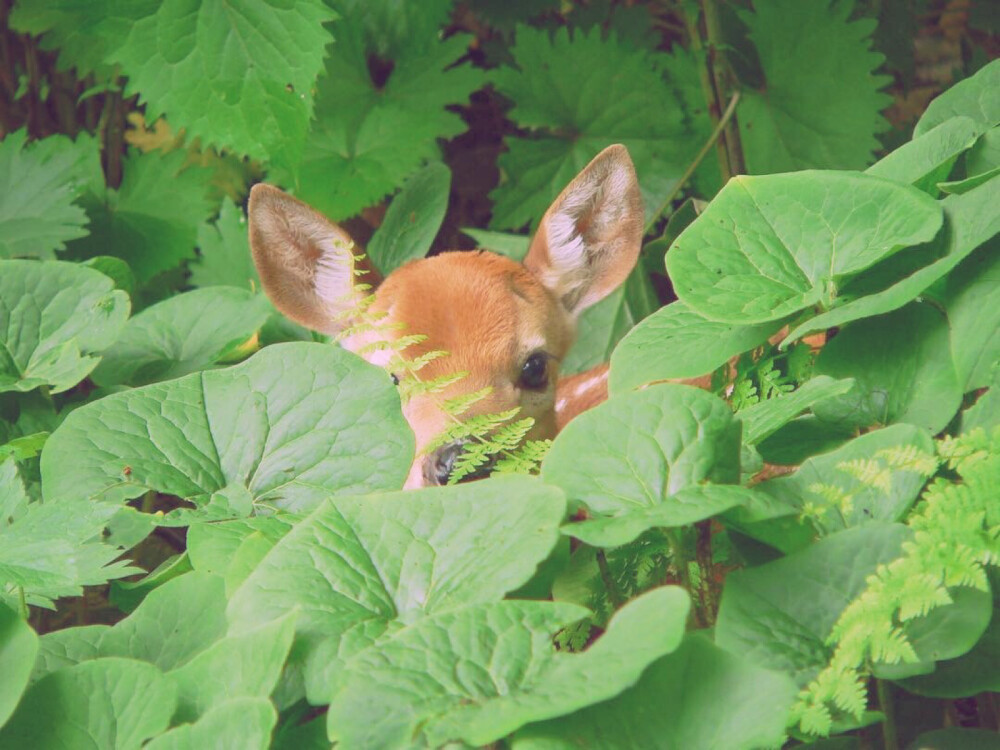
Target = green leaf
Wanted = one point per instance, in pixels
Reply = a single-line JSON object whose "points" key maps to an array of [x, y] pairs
{"points": [[902, 368], [514, 246], [676, 704], [383, 559], [239, 76], [127, 595], [676, 342], [238, 666], [115, 269], [39, 184], [175, 621], [680, 509], [764, 418], [972, 301], [106, 703], [151, 220], [880, 485], [778, 615], [601, 327], [478, 673], [64, 648], [18, 646], [963, 186], [793, 123], [293, 424], [51, 550], [977, 97], [224, 252], [413, 219], [579, 95], [55, 318], [928, 159], [237, 724], [971, 220], [369, 135], [643, 447], [767, 247], [183, 334], [25, 447]]}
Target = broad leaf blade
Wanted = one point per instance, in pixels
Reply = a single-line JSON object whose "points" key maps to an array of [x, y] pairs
{"points": [[768, 247], [293, 424], [18, 646], [977, 97], [237, 724], [224, 252]]}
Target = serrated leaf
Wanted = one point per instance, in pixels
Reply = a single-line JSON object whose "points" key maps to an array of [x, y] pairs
{"points": [[579, 95], [972, 302], [977, 97], [477, 673], [413, 219], [183, 334], [55, 318], [368, 136], [643, 447], [762, 617], [767, 247], [238, 75], [294, 423], [238, 666], [39, 185], [107, 703], [869, 503], [902, 368], [386, 559], [971, 220], [762, 419], [793, 123], [18, 646], [224, 252], [675, 705], [676, 342], [237, 724], [927, 160], [151, 220]]}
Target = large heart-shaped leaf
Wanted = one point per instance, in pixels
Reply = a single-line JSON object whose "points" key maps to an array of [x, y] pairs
{"points": [[875, 477], [676, 342], [294, 423], [779, 614], [55, 318], [676, 705], [183, 334], [644, 447], [106, 703], [480, 672], [902, 367], [237, 724], [767, 247], [972, 300]]}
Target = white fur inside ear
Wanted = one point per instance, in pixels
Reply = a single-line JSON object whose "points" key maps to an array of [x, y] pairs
{"points": [[587, 217], [334, 279]]}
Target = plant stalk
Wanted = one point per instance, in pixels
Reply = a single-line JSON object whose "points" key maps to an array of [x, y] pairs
{"points": [[712, 140], [681, 563], [617, 600], [890, 738], [25, 613], [724, 80]]}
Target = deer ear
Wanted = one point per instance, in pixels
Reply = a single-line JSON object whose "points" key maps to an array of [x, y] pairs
{"points": [[305, 261], [589, 239]]}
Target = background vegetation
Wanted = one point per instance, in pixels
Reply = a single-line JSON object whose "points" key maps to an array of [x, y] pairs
{"points": [[809, 550]]}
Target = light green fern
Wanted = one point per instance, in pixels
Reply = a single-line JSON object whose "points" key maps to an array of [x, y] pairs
{"points": [[956, 534]]}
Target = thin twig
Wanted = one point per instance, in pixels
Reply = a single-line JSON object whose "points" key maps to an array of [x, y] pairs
{"points": [[726, 116]]}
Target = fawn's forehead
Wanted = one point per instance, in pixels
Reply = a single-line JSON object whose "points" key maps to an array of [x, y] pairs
{"points": [[473, 299]]}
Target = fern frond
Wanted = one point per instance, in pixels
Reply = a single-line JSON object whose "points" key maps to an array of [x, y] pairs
{"points": [[461, 404], [868, 471]]}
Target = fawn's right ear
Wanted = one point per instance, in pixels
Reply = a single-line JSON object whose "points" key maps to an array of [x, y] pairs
{"points": [[305, 261]]}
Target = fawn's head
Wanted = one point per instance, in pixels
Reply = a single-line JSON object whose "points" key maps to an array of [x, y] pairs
{"points": [[507, 325]]}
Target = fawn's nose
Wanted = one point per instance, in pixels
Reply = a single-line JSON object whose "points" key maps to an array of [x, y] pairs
{"points": [[438, 465]]}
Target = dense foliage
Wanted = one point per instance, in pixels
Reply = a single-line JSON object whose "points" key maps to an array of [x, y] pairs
{"points": [[808, 549]]}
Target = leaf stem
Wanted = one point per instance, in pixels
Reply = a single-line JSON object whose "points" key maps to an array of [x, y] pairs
{"points": [[680, 561], [890, 738], [617, 600], [25, 614], [712, 139], [724, 79], [707, 86]]}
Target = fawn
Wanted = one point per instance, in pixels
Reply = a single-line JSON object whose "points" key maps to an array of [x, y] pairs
{"points": [[507, 324]]}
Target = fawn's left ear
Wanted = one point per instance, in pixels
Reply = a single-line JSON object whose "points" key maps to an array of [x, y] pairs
{"points": [[589, 239]]}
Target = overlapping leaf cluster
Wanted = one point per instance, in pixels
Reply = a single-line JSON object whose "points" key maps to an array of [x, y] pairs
{"points": [[459, 615]]}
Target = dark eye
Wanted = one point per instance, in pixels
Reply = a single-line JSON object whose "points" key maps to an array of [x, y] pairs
{"points": [[534, 372]]}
